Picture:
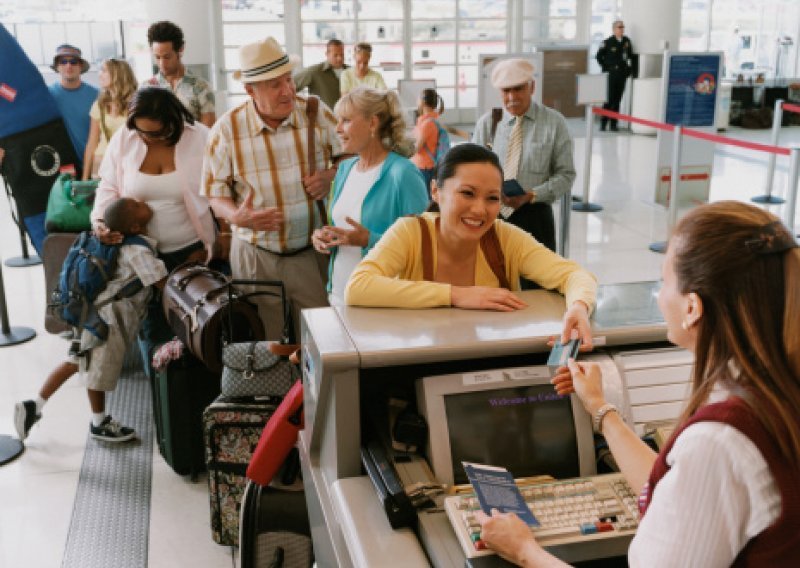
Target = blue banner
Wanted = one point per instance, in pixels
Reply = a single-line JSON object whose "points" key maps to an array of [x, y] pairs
{"points": [[692, 89]]}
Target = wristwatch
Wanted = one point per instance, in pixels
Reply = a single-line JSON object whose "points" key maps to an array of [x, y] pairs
{"points": [[600, 414]]}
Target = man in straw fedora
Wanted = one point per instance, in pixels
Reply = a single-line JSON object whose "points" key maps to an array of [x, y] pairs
{"points": [[258, 177]]}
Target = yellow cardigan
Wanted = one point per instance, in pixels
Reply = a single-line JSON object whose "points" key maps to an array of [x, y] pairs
{"points": [[391, 273]]}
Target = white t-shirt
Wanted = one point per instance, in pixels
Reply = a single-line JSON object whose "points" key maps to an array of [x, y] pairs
{"points": [[170, 225], [717, 495], [355, 189]]}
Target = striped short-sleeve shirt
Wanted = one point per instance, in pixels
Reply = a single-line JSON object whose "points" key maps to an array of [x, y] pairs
{"points": [[243, 152]]}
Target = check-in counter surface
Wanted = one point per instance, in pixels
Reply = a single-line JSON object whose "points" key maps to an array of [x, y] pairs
{"points": [[626, 313]]}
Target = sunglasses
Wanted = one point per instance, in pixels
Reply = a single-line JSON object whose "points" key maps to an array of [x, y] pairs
{"points": [[69, 61], [162, 134]]}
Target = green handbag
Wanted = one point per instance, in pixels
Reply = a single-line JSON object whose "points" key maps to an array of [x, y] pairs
{"points": [[70, 205]]}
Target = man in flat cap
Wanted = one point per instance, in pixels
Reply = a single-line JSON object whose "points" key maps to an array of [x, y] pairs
{"points": [[534, 146], [258, 177], [74, 98]]}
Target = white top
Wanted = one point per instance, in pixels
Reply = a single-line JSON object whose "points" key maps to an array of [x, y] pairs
{"points": [[718, 494], [170, 225], [355, 189]]}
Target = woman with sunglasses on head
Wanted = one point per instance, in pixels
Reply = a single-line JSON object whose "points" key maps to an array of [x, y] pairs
{"points": [[723, 490], [109, 112], [463, 240], [158, 159]]}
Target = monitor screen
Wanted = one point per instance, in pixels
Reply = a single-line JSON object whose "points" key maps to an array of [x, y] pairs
{"points": [[528, 430], [511, 418]]}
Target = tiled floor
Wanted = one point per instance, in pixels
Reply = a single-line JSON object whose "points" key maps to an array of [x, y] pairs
{"points": [[37, 490]]}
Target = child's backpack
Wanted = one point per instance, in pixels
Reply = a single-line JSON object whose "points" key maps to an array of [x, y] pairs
{"points": [[442, 143], [88, 267]]}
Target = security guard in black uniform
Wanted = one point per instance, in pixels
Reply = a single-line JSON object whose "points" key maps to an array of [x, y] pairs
{"points": [[614, 57]]}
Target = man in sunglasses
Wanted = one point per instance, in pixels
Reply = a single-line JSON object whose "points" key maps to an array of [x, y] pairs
{"points": [[73, 97]]}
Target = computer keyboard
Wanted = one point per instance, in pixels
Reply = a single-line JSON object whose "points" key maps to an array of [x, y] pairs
{"points": [[570, 511]]}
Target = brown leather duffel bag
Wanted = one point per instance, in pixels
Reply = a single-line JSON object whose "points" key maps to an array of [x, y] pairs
{"points": [[196, 301]]}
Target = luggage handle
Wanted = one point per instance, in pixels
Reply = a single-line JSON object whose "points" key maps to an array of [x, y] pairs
{"points": [[195, 271], [287, 316]]}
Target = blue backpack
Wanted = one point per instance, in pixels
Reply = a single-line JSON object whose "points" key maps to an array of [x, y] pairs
{"points": [[442, 143], [88, 267]]}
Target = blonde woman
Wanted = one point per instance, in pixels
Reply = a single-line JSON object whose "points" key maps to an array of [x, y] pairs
{"points": [[109, 111], [373, 189]]}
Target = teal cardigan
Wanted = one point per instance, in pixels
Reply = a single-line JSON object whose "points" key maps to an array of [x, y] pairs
{"points": [[398, 191]]}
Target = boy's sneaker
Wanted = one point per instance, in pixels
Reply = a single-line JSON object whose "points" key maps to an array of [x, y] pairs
{"points": [[111, 431], [25, 417]]}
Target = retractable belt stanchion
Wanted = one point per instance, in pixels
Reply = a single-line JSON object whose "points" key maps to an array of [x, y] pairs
{"points": [[777, 119], [791, 190], [10, 335], [584, 206], [10, 447], [674, 183], [562, 247], [26, 259]]}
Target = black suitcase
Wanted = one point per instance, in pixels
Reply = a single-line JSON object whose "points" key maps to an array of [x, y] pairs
{"points": [[181, 393], [275, 531]]}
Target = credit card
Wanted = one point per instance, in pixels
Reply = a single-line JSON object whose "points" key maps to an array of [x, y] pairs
{"points": [[562, 353]]}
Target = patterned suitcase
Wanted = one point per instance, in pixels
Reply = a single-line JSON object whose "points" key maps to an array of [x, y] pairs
{"points": [[232, 428]]}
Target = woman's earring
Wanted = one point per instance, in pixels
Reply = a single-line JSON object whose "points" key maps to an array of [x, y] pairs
{"points": [[685, 325]]}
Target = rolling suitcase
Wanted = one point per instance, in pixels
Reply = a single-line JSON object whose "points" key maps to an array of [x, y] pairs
{"points": [[232, 428], [275, 529], [54, 251], [180, 394]]}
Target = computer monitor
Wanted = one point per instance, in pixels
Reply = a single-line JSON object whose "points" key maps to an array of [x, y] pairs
{"points": [[506, 417]]}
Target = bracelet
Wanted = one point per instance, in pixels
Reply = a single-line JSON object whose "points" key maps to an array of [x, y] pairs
{"points": [[600, 414], [225, 234]]}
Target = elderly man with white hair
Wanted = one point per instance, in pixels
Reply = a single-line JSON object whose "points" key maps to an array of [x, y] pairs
{"points": [[535, 148], [259, 178]]}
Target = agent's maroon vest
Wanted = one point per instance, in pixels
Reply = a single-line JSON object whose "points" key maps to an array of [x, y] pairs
{"points": [[779, 544]]}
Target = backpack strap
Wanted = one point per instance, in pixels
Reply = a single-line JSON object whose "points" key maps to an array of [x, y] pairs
{"points": [[490, 245], [427, 250], [438, 133], [497, 116], [312, 108]]}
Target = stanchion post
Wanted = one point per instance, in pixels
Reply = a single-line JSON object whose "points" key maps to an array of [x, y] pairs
{"points": [[563, 245], [777, 119], [584, 206], [791, 190], [10, 335], [674, 183]]}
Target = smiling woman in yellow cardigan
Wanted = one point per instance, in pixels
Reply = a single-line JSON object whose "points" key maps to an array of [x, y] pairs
{"points": [[467, 190]]}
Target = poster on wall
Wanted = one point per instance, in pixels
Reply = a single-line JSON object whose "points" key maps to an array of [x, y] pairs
{"points": [[692, 86]]}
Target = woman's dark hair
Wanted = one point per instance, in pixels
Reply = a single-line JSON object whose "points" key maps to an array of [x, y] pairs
{"points": [[430, 98], [467, 153], [162, 105]]}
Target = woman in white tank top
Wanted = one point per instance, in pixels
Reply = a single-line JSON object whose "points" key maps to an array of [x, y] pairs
{"points": [[158, 158]]}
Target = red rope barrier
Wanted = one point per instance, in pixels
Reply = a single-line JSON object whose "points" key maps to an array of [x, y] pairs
{"points": [[696, 133], [791, 108]]}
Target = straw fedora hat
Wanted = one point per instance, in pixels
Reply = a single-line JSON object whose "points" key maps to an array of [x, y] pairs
{"points": [[261, 61]]}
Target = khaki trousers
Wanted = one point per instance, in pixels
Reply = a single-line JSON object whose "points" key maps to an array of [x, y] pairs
{"points": [[304, 276]]}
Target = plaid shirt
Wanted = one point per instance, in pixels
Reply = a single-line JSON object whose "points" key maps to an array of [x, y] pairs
{"points": [[194, 92], [135, 261], [244, 152]]}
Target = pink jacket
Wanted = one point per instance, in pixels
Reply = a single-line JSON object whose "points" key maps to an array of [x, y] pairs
{"points": [[125, 154]]}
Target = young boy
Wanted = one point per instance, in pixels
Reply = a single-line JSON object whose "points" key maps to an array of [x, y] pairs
{"points": [[103, 364]]}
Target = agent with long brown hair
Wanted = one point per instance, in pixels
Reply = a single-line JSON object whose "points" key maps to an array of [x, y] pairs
{"points": [[109, 112], [723, 490]]}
